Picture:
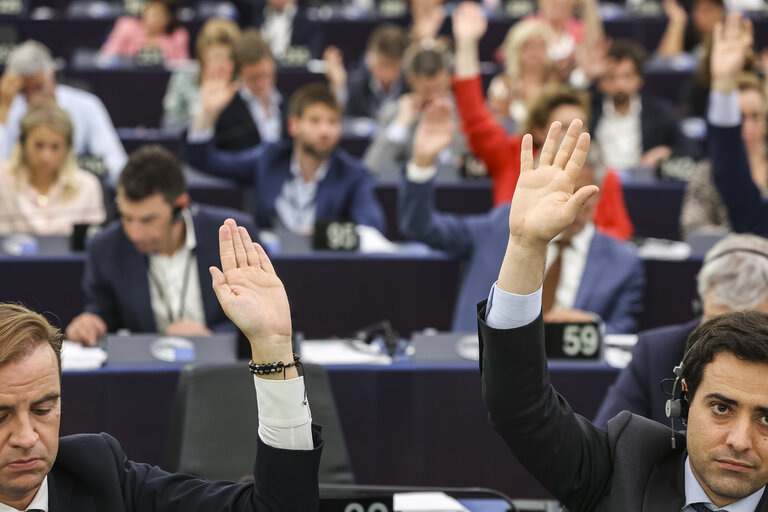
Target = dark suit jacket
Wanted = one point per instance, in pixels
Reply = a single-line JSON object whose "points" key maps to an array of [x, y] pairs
{"points": [[658, 123], [305, 31], [346, 192], [638, 387], [611, 285], [747, 211], [235, 128], [93, 474], [361, 101], [630, 468], [116, 284]]}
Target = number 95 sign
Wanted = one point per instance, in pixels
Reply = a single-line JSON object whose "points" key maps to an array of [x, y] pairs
{"points": [[573, 341]]}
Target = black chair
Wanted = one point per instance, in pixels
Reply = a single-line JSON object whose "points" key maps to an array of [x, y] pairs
{"points": [[215, 423]]}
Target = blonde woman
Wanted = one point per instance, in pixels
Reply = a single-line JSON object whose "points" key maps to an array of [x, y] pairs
{"points": [[213, 51], [528, 68], [42, 191]]}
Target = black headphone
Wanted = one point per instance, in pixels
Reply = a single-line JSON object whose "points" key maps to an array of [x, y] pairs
{"points": [[678, 407], [176, 214]]}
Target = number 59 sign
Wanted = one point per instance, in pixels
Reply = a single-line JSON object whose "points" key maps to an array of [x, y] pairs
{"points": [[573, 341]]}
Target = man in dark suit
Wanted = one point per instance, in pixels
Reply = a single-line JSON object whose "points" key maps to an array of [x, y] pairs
{"points": [[295, 182], [256, 113], [90, 472], [634, 129], [734, 277], [148, 272], [638, 464], [377, 81], [285, 26], [598, 275]]}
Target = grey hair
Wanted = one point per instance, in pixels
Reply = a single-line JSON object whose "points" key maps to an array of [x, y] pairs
{"points": [[596, 162], [739, 279], [31, 58]]}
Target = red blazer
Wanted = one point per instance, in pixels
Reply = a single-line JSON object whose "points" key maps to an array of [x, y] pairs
{"points": [[500, 152]]}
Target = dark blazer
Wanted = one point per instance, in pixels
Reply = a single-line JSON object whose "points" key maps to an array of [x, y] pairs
{"points": [[346, 192], [638, 388], [361, 101], [611, 286], [116, 284], [236, 129], [631, 467], [658, 123], [305, 32], [93, 474], [747, 211]]}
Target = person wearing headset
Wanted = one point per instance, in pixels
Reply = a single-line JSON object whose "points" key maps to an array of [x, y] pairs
{"points": [[734, 277], [719, 463], [148, 272]]}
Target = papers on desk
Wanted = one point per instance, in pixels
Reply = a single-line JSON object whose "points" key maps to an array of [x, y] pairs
{"points": [[427, 502], [658, 249], [341, 352], [74, 356]]}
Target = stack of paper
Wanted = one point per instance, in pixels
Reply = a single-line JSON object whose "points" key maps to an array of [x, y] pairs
{"points": [[427, 502]]}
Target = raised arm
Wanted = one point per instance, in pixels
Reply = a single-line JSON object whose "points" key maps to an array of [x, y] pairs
{"points": [[672, 41]]}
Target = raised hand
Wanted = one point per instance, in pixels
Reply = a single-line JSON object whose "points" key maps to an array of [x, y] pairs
{"points": [[545, 202], [251, 295], [434, 133], [10, 85], [469, 23], [675, 12], [334, 68], [216, 91], [731, 43]]}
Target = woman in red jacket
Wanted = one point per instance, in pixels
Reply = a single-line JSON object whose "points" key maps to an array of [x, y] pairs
{"points": [[501, 151]]}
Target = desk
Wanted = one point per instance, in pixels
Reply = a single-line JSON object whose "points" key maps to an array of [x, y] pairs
{"points": [[431, 416]]}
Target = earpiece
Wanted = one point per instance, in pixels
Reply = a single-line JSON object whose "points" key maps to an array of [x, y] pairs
{"points": [[176, 214], [678, 407]]}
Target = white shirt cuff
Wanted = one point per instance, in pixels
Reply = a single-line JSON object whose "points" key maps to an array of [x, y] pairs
{"points": [[199, 136], [285, 420], [724, 109], [397, 133], [418, 174], [509, 310]]}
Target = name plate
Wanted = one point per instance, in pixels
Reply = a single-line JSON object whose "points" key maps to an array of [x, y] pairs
{"points": [[94, 164], [149, 56], [335, 236], [367, 504], [573, 341]]}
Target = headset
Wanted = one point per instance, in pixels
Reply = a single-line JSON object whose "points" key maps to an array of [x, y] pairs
{"points": [[176, 214], [678, 407]]}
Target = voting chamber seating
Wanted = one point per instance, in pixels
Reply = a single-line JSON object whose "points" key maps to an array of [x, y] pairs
{"points": [[215, 423]]}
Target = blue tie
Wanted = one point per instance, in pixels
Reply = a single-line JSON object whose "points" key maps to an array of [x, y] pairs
{"points": [[700, 507]]}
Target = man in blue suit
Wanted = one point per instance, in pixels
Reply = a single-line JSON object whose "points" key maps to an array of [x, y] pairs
{"points": [[734, 277], [148, 272], [91, 473], [597, 274], [295, 182]]}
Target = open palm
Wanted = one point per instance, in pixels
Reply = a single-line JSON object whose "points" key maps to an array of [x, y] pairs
{"points": [[731, 42], [545, 202], [250, 293]]}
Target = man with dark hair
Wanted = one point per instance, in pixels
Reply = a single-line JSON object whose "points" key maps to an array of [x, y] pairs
{"points": [[378, 81], [638, 464], [427, 72], [148, 271], [256, 112], [635, 129], [295, 182], [39, 471], [285, 25]]}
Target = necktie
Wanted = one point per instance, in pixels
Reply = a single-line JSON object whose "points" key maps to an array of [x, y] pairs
{"points": [[552, 278], [700, 507]]}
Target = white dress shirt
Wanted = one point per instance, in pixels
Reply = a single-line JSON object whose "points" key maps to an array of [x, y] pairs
{"points": [[174, 285], [296, 205], [277, 29], [572, 268], [285, 422], [268, 120], [93, 134], [621, 135]]}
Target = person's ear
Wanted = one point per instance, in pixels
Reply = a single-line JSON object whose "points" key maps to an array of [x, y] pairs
{"points": [[292, 125]]}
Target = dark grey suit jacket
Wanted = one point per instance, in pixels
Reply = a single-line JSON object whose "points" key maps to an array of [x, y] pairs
{"points": [[630, 468]]}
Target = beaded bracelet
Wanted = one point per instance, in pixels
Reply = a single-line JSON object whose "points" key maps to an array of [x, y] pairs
{"points": [[272, 368]]}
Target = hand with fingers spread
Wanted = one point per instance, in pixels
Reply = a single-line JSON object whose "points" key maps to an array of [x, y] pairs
{"points": [[434, 133], [731, 43], [216, 91], [334, 69], [252, 296], [544, 204]]}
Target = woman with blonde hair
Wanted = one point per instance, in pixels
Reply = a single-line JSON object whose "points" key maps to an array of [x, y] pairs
{"points": [[528, 68], [214, 54], [42, 190]]}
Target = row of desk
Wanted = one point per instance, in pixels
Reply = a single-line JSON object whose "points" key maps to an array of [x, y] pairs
{"points": [[404, 424]]}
